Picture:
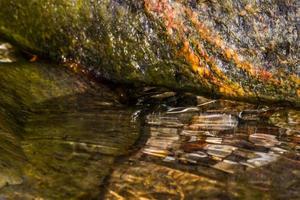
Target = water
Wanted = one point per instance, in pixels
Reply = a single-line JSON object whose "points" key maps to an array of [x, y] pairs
{"points": [[60, 134], [222, 150], [63, 137]]}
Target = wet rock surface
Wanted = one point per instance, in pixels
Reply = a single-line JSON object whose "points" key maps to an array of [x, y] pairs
{"points": [[246, 50]]}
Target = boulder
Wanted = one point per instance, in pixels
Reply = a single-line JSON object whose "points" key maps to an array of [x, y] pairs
{"points": [[245, 50]]}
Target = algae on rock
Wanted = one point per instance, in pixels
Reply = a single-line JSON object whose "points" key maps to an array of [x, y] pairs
{"points": [[245, 50]]}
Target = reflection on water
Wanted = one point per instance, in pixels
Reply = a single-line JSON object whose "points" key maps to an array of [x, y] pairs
{"points": [[60, 134], [11, 159], [215, 137], [69, 151], [7, 53], [62, 137], [218, 150]]}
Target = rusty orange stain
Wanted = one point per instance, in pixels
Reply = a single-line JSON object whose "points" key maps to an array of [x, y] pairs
{"points": [[33, 58], [174, 17], [199, 60]]}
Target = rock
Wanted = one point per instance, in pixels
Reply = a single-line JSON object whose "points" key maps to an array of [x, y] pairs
{"points": [[234, 49]]}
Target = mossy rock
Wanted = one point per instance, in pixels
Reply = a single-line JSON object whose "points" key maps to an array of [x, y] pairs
{"points": [[229, 48]]}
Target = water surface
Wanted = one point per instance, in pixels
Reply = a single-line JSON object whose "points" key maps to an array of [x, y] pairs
{"points": [[65, 137]]}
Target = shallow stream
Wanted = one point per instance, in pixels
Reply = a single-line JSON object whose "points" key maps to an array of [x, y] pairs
{"points": [[63, 137]]}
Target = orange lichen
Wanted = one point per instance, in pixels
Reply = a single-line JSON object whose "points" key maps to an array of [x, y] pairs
{"points": [[187, 53], [76, 67], [199, 60], [296, 79], [218, 43], [34, 58], [228, 53], [249, 8], [265, 75]]}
